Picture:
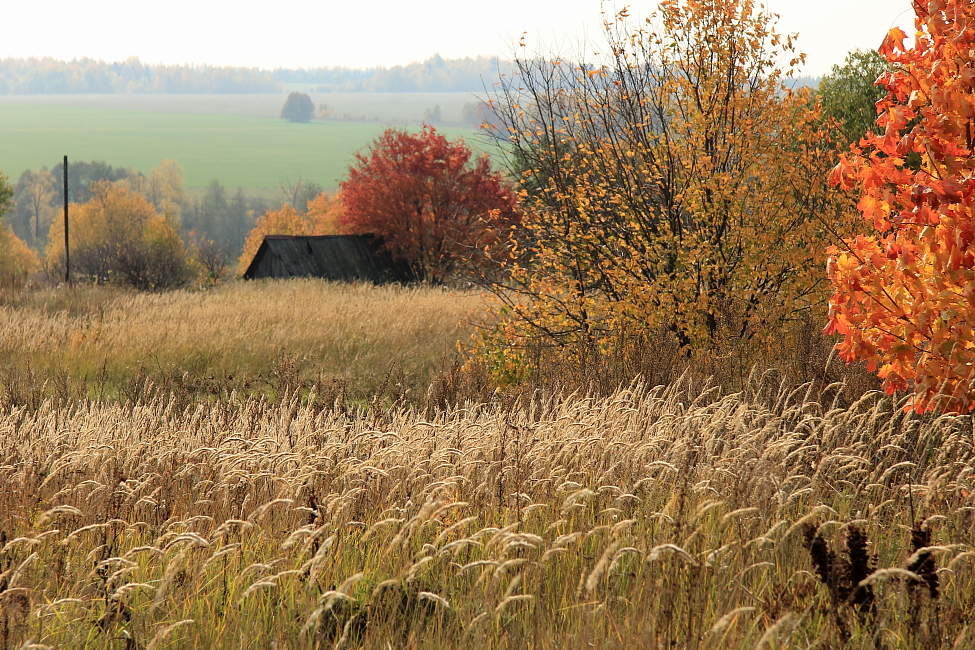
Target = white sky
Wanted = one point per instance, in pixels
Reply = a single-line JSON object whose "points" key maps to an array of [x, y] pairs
{"points": [[365, 33]]}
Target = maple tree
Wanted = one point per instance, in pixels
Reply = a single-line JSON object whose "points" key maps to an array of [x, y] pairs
{"points": [[118, 236], [674, 186], [432, 203], [322, 217], [904, 292]]}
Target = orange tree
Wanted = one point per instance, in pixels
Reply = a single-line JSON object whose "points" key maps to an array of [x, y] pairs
{"points": [[322, 217], [431, 203], [17, 260], [904, 293], [117, 236], [676, 184]]}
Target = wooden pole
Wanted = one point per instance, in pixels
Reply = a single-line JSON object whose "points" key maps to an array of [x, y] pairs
{"points": [[67, 249]]}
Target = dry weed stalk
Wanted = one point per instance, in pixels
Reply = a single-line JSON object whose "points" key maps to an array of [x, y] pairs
{"points": [[654, 517]]}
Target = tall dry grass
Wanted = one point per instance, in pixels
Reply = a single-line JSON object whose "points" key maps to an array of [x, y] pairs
{"points": [[261, 338], [651, 518]]}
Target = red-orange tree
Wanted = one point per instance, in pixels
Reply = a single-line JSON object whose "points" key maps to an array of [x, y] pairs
{"points": [[904, 294], [432, 204]]}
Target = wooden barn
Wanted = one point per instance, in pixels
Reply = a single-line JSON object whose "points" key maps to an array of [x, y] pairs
{"points": [[345, 258]]}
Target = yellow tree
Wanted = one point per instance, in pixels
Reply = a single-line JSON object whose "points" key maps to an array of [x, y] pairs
{"points": [[321, 218], [165, 189], [17, 261], [118, 236], [674, 185]]}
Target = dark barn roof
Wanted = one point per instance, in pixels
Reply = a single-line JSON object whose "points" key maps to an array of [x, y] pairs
{"points": [[348, 258]]}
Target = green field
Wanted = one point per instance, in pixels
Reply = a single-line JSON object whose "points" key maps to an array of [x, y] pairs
{"points": [[240, 150]]}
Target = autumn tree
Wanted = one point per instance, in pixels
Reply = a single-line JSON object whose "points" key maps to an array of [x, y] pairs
{"points": [[431, 201], [674, 186], [322, 217], [164, 186], [17, 261], [118, 236], [35, 196], [298, 108], [904, 291]]}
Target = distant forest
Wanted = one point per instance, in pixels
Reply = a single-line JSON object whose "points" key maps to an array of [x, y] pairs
{"points": [[88, 76], [51, 76]]}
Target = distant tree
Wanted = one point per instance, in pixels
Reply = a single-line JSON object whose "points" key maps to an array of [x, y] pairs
{"points": [[300, 193], [849, 94], [436, 74], [47, 75], [433, 115], [433, 205], [322, 217], [83, 174], [34, 198], [479, 115], [6, 195], [164, 187], [212, 256], [283, 221], [118, 236], [17, 261], [223, 218], [298, 108]]}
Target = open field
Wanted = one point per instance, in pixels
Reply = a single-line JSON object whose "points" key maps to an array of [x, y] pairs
{"points": [[250, 466], [257, 338], [239, 150], [650, 519]]}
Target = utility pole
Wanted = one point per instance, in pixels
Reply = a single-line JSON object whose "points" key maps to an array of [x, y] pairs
{"points": [[67, 249]]}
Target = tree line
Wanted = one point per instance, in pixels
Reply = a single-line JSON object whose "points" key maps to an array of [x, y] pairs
{"points": [[34, 76], [38, 76], [218, 215]]}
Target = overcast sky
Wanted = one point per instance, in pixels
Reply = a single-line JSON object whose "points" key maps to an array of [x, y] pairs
{"points": [[311, 33]]}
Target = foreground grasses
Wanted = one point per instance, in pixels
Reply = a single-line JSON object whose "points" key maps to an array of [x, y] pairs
{"points": [[651, 518], [259, 338]]}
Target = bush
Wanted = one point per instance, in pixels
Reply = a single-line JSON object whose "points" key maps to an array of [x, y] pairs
{"points": [[119, 237]]}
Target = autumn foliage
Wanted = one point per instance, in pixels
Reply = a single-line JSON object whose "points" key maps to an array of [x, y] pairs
{"points": [[433, 204], [321, 217], [904, 292], [118, 236], [17, 261], [673, 189]]}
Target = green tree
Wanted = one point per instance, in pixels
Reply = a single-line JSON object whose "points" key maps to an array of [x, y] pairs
{"points": [[298, 108], [849, 93], [6, 194]]}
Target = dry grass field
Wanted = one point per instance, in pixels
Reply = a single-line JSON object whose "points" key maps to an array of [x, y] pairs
{"points": [[246, 468], [648, 519], [257, 338]]}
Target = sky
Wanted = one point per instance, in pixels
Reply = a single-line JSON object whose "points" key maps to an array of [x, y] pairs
{"points": [[313, 33]]}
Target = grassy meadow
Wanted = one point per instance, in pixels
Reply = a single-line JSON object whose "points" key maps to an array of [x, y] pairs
{"points": [[250, 148], [256, 338], [208, 469]]}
